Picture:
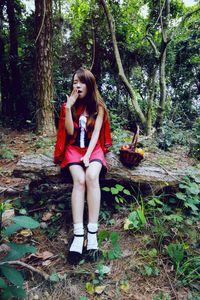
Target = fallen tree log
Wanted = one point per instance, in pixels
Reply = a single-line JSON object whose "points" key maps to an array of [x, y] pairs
{"points": [[46, 178]]}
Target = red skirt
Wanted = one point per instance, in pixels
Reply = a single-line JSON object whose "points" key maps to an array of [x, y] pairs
{"points": [[73, 155]]}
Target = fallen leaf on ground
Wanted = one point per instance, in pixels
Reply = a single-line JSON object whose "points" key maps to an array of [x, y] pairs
{"points": [[47, 216], [47, 262], [7, 215], [43, 255], [26, 232], [99, 289]]}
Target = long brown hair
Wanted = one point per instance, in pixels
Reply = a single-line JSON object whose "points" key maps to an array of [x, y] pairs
{"points": [[93, 99]]}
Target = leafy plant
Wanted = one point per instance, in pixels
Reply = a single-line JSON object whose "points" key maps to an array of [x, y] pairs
{"points": [[94, 286], [187, 268], [195, 144], [11, 280], [171, 134], [113, 237], [6, 152], [189, 193], [119, 192]]}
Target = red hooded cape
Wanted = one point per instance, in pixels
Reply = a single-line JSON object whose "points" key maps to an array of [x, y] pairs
{"points": [[62, 138]]}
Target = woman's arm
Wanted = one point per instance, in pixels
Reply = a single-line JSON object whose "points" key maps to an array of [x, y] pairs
{"points": [[69, 124], [94, 137]]}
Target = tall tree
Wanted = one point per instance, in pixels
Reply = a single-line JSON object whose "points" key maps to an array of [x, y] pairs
{"points": [[17, 107], [44, 78], [4, 76]]}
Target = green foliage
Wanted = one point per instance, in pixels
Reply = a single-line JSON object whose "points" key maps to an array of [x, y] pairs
{"points": [[187, 268], [119, 192], [137, 219], [11, 280], [195, 144], [112, 237], [171, 134], [6, 153], [189, 194]]}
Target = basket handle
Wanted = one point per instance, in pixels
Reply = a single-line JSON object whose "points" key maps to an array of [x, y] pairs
{"points": [[135, 138]]}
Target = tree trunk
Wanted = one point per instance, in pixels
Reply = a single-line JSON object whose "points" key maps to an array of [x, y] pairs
{"points": [[17, 107], [18, 103], [4, 76], [44, 115], [120, 66], [163, 92], [150, 98], [162, 65]]}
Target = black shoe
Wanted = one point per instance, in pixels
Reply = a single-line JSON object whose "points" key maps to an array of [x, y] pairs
{"points": [[74, 257], [92, 255]]}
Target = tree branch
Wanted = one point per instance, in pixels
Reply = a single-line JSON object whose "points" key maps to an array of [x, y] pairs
{"points": [[20, 263], [119, 64], [156, 51]]}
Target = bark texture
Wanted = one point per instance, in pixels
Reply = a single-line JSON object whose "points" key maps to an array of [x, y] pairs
{"points": [[44, 77], [16, 105], [42, 171]]}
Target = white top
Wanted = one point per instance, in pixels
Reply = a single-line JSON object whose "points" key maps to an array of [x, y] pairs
{"points": [[82, 126]]}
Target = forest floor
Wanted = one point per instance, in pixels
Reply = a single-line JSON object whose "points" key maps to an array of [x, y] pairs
{"points": [[135, 274]]}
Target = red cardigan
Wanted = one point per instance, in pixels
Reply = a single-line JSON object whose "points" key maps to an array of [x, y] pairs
{"points": [[63, 139]]}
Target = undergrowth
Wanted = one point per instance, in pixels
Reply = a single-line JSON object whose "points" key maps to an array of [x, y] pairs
{"points": [[165, 226]]}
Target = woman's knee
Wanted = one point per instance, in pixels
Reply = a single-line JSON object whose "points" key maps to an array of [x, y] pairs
{"points": [[79, 180], [92, 178]]}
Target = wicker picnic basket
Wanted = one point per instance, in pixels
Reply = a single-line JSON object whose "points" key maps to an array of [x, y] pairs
{"points": [[128, 156]]}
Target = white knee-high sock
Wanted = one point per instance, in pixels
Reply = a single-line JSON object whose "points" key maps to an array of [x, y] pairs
{"points": [[77, 244], [92, 242]]}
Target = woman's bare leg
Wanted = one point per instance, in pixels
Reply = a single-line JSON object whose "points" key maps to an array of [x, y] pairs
{"points": [[78, 193], [93, 200], [78, 199], [93, 191]]}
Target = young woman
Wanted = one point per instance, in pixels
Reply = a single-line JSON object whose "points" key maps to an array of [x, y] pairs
{"points": [[83, 138]]}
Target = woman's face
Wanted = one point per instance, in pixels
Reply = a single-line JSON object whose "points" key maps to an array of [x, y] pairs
{"points": [[81, 87]]}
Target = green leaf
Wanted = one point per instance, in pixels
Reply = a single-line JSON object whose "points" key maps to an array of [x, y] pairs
{"points": [[11, 229], [193, 188], [141, 216], [54, 277], [23, 211], [180, 196], [17, 251], [103, 235], [111, 254], [89, 288], [119, 187], [7, 294], [153, 252], [12, 275], [117, 199], [114, 191], [3, 285], [176, 252], [26, 222], [192, 206], [114, 236], [103, 269], [106, 189], [126, 192], [83, 298], [174, 217], [18, 292], [152, 202]]}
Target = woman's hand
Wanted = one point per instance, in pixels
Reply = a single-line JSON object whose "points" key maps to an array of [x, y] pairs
{"points": [[72, 98], [85, 160]]}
